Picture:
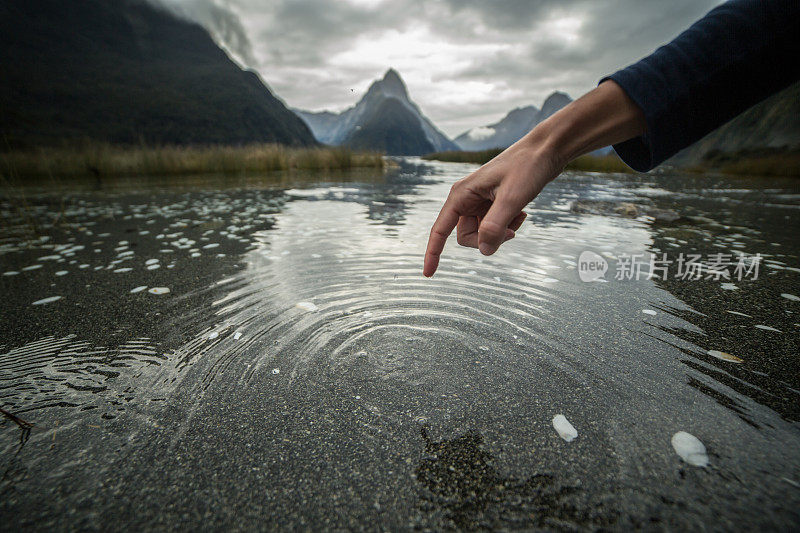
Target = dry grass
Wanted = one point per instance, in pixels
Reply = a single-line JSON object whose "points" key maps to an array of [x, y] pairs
{"points": [[588, 163], [480, 157], [109, 160], [755, 162], [600, 163]]}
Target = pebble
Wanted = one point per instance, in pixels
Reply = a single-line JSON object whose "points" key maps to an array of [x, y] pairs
{"points": [[649, 312], [138, 289], [307, 306], [564, 429], [62, 273], [728, 286], [159, 290], [276, 370], [791, 297], [690, 449], [767, 328], [46, 300], [725, 356]]}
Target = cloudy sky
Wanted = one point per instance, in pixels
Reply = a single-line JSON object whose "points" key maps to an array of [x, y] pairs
{"points": [[466, 62]]}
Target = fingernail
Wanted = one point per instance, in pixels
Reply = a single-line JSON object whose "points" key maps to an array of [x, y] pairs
{"points": [[486, 248]]}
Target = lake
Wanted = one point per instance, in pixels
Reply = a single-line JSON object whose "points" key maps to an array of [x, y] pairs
{"points": [[253, 353]]}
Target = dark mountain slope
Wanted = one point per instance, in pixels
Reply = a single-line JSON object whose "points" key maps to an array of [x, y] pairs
{"points": [[773, 123], [391, 128], [125, 71]]}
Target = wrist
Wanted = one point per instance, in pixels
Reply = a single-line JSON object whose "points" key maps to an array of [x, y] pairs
{"points": [[602, 117]]}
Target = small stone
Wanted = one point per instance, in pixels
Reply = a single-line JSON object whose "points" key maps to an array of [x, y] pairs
{"points": [[159, 290], [46, 300], [307, 306], [564, 429], [690, 449], [725, 356]]}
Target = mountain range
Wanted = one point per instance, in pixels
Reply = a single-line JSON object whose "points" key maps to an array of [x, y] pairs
{"points": [[127, 72], [512, 127], [384, 120]]}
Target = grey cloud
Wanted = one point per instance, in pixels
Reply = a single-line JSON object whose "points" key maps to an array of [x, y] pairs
{"points": [[222, 22], [292, 43]]}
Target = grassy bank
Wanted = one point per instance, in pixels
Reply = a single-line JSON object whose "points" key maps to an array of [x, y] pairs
{"points": [[758, 162], [588, 163], [109, 160], [782, 162]]}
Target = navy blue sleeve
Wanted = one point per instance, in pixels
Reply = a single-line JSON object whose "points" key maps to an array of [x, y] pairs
{"points": [[738, 54]]}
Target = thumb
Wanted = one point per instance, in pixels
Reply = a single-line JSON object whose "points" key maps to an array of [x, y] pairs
{"points": [[493, 228]]}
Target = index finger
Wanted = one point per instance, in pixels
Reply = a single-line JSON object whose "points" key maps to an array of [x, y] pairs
{"points": [[441, 230]]}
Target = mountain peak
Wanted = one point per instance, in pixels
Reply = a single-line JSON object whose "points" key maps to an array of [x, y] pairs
{"points": [[392, 85]]}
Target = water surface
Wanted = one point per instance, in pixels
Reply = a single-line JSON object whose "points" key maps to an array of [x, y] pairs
{"points": [[301, 373]]}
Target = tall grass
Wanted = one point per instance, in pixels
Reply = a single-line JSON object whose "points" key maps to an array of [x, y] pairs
{"points": [[587, 163], [110, 160], [479, 157], [765, 161]]}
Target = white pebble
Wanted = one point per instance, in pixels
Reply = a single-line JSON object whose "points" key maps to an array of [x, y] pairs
{"points": [[768, 328], [152, 261], [32, 267], [211, 245], [10, 273], [791, 297], [213, 335], [276, 370], [122, 270], [307, 306], [690, 449], [728, 286], [725, 356], [237, 335], [62, 273], [154, 266], [549, 280], [46, 300], [564, 429], [159, 290], [649, 312], [140, 288]]}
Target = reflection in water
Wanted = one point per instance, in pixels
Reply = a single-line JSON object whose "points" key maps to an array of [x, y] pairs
{"points": [[461, 479]]}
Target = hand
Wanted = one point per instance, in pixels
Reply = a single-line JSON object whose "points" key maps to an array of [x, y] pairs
{"points": [[486, 206]]}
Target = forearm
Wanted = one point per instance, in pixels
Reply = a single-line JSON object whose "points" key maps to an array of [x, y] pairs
{"points": [[738, 54], [603, 116]]}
